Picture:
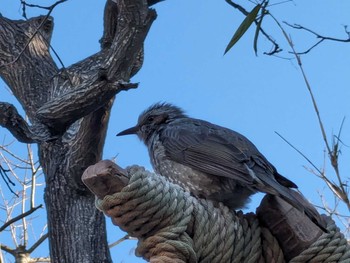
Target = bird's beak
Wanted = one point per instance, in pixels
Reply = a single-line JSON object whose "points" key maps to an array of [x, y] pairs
{"points": [[132, 130]]}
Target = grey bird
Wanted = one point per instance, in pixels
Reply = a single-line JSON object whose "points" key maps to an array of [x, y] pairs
{"points": [[211, 161]]}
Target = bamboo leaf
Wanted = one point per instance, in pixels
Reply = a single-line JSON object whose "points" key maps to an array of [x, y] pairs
{"points": [[243, 27]]}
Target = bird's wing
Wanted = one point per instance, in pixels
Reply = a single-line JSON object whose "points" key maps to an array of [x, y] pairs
{"points": [[211, 149], [222, 152]]}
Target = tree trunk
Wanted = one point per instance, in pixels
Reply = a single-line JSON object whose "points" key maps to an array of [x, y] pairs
{"points": [[69, 112]]}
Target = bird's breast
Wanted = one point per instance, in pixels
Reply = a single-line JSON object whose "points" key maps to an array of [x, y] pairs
{"points": [[196, 182]]}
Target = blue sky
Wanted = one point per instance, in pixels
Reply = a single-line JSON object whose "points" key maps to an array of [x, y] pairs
{"points": [[254, 95]]}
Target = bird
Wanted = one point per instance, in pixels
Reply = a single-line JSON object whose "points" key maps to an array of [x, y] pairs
{"points": [[211, 161]]}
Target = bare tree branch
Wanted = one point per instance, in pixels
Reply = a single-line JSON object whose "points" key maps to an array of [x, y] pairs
{"points": [[7, 180], [50, 8], [238, 7], [19, 217], [318, 36], [338, 190], [303, 155], [18, 158], [37, 243], [83, 100], [38, 260], [10, 119], [7, 249], [106, 80], [116, 243], [297, 26]]}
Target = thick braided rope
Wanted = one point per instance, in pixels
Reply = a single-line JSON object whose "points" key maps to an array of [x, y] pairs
{"points": [[330, 247], [271, 250], [222, 236], [172, 226], [161, 215], [156, 214]]}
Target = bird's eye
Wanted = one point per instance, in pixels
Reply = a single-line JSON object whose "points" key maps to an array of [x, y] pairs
{"points": [[150, 119]]}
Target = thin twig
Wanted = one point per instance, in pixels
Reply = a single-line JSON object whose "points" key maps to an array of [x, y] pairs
{"points": [[321, 37], [7, 249], [297, 26], [7, 180], [126, 237], [24, 3], [310, 48], [37, 243], [238, 7], [282, 2], [40, 260], [24, 221], [343, 195], [33, 179], [19, 217], [303, 155], [4, 148]]}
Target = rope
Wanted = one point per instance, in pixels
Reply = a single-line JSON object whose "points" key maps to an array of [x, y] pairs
{"points": [[155, 213], [173, 226], [330, 247]]}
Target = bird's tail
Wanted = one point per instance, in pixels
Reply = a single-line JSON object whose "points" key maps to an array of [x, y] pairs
{"points": [[293, 197]]}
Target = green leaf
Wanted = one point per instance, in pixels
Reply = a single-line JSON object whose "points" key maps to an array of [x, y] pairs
{"points": [[243, 27]]}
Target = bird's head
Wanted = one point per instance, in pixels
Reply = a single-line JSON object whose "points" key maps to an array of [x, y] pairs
{"points": [[153, 119]]}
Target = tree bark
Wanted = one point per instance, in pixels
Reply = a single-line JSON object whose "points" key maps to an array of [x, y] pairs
{"points": [[69, 112]]}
